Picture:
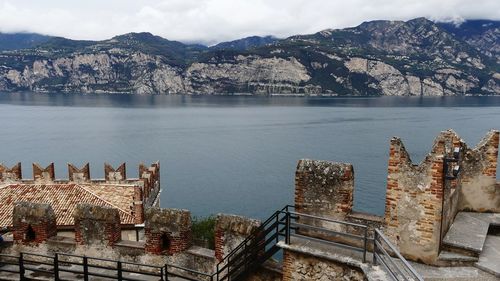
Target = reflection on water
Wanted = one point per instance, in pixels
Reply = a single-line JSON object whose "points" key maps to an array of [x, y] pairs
{"points": [[149, 101], [232, 154]]}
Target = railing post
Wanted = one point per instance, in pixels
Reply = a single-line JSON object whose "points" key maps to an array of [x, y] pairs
{"points": [[21, 267], [56, 267], [85, 269], [217, 271], [161, 274], [365, 244], [119, 270], [287, 228], [166, 272], [375, 235]]}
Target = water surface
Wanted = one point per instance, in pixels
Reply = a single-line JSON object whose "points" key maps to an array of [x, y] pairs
{"points": [[234, 154]]}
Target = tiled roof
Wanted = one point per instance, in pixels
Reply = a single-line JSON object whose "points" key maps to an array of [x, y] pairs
{"points": [[64, 198]]}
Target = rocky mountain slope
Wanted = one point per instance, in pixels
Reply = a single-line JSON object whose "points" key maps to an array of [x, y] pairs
{"points": [[417, 57]]}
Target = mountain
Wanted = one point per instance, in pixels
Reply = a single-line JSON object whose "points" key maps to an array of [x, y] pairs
{"points": [[482, 34], [245, 43], [13, 41], [418, 57]]}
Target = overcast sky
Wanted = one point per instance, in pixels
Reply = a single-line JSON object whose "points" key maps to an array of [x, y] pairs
{"points": [[211, 21]]}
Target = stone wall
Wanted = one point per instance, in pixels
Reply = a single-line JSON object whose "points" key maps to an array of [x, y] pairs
{"points": [[33, 223], [414, 201], [96, 225], [43, 175], [167, 231], [115, 175], [298, 266], [230, 231], [422, 200], [10, 174], [479, 191], [79, 175], [324, 189]]}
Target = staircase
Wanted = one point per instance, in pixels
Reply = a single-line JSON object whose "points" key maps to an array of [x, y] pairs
{"points": [[468, 242], [255, 249]]}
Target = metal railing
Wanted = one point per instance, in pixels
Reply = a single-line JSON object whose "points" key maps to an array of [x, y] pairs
{"points": [[394, 263], [61, 266], [338, 233]]}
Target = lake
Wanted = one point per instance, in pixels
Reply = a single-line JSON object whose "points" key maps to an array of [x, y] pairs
{"points": [[233, 154]]}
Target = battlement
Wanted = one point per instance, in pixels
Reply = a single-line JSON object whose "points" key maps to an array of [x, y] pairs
{"points": [[422, 199], [149, 175], [131, 196]]}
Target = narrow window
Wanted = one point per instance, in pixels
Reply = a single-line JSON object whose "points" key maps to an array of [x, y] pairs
{"points": [[165, 242], [30, 234]]}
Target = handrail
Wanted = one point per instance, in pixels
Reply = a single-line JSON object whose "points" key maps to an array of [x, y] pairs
{"points": [[406, 266]]}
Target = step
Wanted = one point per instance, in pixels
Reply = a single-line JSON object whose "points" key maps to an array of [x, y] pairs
{"points": [[489, 260], [456, 258], [468, 232]]}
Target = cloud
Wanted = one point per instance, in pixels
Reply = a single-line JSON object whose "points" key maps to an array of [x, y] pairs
{"points": [[211, 21]]}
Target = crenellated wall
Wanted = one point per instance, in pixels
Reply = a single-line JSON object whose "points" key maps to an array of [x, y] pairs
{"points": [[479, 191], [167, 231], [422, 202], [33, 223], [324, 189], [414, 201], [96, 225], [79, 175], [10, 174], [230, 231], [43, 175], [147, 185]]}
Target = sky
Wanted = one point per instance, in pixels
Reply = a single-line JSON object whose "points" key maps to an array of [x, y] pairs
{"points": [[213, 21]]}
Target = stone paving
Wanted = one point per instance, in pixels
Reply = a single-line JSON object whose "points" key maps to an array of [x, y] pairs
{"points": [[467, 232], [489, 260]]}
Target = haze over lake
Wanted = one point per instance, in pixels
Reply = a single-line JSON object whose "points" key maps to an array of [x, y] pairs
{"points": [[233, 154]]}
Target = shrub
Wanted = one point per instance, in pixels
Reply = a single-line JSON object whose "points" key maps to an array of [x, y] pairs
{"points": [[204, 231]]}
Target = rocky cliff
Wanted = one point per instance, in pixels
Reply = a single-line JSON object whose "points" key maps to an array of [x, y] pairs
{"points": [[417, 57]]}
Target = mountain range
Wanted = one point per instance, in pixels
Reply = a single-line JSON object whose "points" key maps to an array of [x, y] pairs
{"points": [[418, 57]]}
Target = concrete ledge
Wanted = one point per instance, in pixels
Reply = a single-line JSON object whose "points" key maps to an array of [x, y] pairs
{"points": [[336, 254], [201, 252]]}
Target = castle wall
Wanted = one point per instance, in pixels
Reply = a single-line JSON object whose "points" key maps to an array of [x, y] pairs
{"points": [[230, 231], [10, 174], [414, 201], [96, 225], [167, 231], [33, 223], [324, 189], [298, 266], [480, 192], [43, 175], [422, 202]]}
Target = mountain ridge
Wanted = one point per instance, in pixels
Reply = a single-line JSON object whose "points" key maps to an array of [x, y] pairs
{"points": [[416, 57]]}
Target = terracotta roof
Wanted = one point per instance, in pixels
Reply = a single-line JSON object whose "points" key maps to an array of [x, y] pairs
{"points": [[65, 197]]}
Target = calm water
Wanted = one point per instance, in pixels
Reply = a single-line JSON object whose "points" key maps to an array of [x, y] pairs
{"points": [[232, 154]]}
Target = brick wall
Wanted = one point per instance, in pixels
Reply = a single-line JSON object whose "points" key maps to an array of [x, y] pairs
{"points": [[414, 199], [10, 174], [167, 231], [79, 175], [33, 223], [150, 177], [46, 174], [95, 225], [230, 231], [138, 206], [115, 175]]}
